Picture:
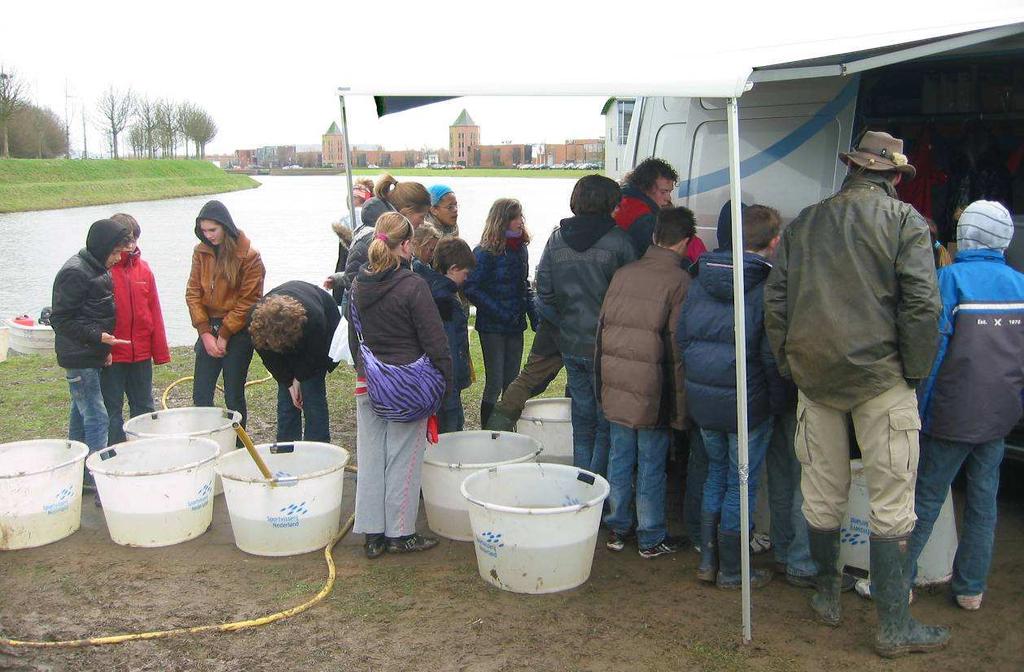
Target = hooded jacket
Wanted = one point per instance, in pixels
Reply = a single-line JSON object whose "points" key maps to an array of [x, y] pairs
{"points": [[578, 263], [399, 320], [453, 316], [83, 299], [309, 358], [499, 287], [139, 317], [358, 251], [641, 381], [973, 393], [707, 343], [637, 215], [209, 296], [852, 306]]}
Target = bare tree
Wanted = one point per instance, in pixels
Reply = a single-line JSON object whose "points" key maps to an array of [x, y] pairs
{"points": [[12, 99], [201, 129], [166, 134], [146, 119], [184, 113], [137, 140], [116, 109]]}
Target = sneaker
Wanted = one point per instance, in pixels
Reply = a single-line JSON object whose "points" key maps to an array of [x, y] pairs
{"points": [[970, 602], [667, 545], [616, 542], [863, 588], [375, 545], [760, 543], [412, 543]]}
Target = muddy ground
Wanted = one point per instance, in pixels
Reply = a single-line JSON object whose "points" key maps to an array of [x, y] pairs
{"points": [[431, 611]]}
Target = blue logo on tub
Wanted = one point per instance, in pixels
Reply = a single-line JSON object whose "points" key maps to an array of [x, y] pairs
{"points": [[62, 502], [489, 542], [289, 515], [858, 533], [201, 499]]}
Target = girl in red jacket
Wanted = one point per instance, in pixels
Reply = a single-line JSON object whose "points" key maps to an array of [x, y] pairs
{"points": [[140, 323]]}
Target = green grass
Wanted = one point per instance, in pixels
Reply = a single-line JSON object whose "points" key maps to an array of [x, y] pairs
{"points": [[34, 400], [30, 184], [476, 172]]}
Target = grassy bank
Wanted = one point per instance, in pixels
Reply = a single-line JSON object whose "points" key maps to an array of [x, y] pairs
{"points": [[476, 172], [30, 184], [34, 400]]}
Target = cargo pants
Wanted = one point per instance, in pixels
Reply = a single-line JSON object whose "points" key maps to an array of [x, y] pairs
{"points": [[887, 428]]}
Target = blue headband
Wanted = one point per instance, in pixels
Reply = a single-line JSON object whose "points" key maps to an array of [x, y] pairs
{"points": [[437, 192]]}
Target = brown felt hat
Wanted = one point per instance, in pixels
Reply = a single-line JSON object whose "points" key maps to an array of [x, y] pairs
{"points": [[879, 151]]}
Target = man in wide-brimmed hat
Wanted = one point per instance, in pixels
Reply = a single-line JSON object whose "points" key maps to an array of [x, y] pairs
{"points": [[851, 310]]}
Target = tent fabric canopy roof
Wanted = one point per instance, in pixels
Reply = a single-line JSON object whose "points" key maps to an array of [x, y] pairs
{"points": [[709, 69]]}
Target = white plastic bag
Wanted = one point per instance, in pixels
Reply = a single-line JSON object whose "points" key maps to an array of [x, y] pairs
{"points": [[340, 351]]}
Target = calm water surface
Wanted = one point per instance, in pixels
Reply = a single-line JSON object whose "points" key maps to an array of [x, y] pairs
{"points": [[287, 218]]}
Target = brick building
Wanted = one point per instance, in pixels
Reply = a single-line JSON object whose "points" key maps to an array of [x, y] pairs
{"points": [[463, 139], [501, 156], [333, 147]]}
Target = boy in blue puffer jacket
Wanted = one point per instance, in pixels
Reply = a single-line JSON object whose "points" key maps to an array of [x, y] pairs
{"points": [[452, 263], [706, 341]]}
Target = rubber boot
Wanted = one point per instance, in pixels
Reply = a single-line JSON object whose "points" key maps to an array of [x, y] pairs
{"points": [[486, 408], [500, 421], [708, 569], [829, 581], [898, 632], [730, 575]]}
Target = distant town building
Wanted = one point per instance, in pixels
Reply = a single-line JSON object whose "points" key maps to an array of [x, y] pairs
{"points": [[618, 113], [244, 158], [308, 156], [275, 156], [333, 147], [463, 139], [501, 156]]}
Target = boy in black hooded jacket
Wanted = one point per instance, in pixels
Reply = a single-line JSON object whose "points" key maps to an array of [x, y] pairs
{"points": [[83, 322]]}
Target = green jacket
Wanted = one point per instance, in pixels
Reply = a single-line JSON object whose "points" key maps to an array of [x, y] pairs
{"points": [[852, 305]]}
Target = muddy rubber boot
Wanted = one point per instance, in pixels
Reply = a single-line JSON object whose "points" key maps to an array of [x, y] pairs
{"points": [[485, 413], [730, 573], [499, 421], [708, 569], [829, 581], [898, 632]]}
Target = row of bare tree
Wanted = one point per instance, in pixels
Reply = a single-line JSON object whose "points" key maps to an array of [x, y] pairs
{"points": [[154, 127]]}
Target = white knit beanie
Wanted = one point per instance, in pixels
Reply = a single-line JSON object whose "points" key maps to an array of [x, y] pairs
{"points": [[984, 225]]}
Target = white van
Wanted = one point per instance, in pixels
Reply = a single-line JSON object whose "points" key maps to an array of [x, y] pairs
{"points": [[792, 127]]}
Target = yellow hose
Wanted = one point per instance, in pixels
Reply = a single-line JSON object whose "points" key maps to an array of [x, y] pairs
{"points": [[167, 392], [221, 627]]}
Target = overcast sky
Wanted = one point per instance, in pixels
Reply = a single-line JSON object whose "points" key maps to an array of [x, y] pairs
{"points": [[269, 76]]}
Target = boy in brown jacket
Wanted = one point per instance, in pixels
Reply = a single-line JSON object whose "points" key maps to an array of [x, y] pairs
{"points": [[640, 382]]}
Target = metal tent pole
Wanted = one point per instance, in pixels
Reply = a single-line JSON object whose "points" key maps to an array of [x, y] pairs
{"points": [[739, 315], [348, 162]]}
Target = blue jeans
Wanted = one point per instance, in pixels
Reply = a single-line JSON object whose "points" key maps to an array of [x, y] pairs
{"points": [[88, 422], [696, 474], [646, 450], [121, 379], [314, 410], [590, 442], [940, 461], [789, 527], [722, 487], [451, 417], [234, 364]]}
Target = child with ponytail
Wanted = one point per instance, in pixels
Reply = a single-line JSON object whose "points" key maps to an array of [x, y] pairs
{"points": [[393, 315]]}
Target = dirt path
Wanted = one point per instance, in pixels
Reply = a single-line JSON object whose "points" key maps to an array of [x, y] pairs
{"points": [[432, 612]]}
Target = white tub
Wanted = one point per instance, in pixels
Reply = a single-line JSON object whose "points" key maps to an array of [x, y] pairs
{"points": [[550, 422], [34, 339], [535, 525], [301, 514], [156, 492], [196, 422], [454, 457], [40, 491], [936, 562]]}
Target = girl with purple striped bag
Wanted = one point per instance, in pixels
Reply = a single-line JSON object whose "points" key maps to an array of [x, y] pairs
{"points": [[404, 367]]}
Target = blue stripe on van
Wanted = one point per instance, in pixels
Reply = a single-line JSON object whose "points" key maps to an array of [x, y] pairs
{"points": [[781, 149]]}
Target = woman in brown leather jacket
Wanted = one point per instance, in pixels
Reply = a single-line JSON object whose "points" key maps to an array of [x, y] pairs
{"points": [[225, 283]]}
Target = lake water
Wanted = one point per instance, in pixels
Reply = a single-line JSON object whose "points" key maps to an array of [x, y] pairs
{"points": [[287, 218]]}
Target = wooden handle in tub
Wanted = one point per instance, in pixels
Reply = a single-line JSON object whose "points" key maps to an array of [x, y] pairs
{"points": [[247, 442]]}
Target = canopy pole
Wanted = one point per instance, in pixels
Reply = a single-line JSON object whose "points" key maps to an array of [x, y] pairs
{"points": [[739, 315], [348, 163]]}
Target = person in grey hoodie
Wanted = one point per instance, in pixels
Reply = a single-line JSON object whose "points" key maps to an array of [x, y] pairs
{"points": [[578, 263]]}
